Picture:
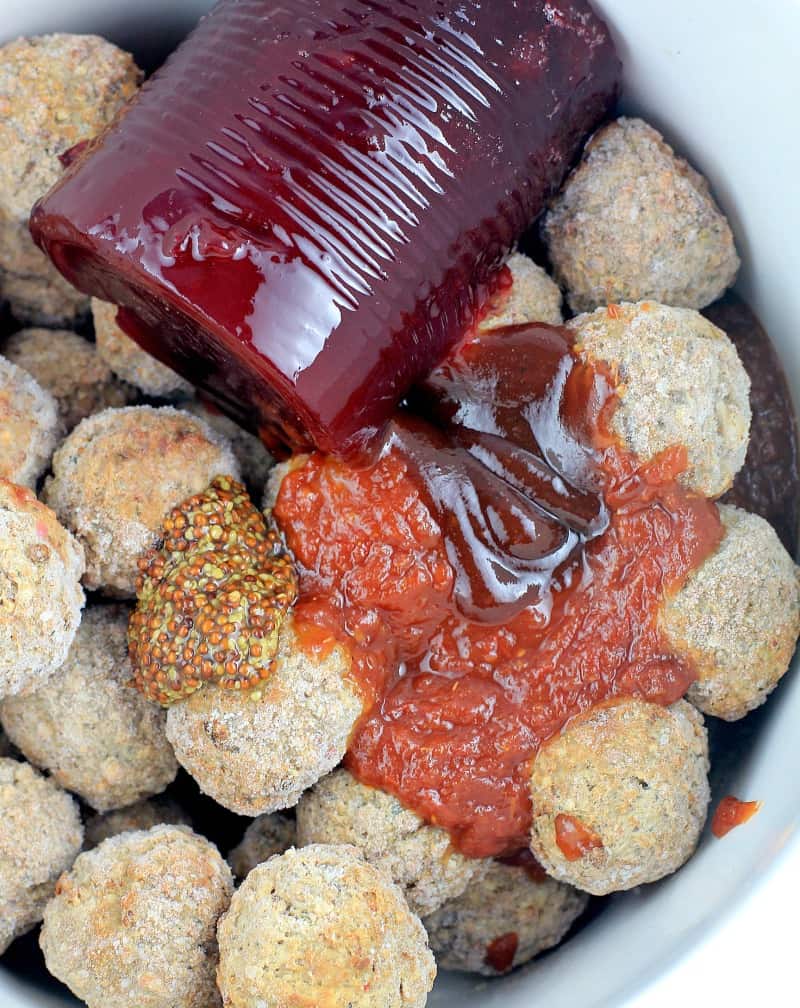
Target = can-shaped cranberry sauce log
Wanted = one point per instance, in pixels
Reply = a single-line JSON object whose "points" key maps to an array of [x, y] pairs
{"points": [[302, 210]]}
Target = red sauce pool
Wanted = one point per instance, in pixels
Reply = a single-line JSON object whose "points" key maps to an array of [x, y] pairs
{"points": [[732, 813], [458, 701]]}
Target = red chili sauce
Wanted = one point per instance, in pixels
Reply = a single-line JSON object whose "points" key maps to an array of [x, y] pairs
{"points": [[500, 951], [493, 576], [732, 813]]}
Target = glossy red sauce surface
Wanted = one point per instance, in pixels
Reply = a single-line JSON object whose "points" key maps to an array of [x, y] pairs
{"points": [[731, 813], [302, 208], [458, 699]]}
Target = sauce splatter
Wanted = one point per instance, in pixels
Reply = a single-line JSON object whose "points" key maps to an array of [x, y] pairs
{"points": [[574, 839], [501, 951], [732, 813]]}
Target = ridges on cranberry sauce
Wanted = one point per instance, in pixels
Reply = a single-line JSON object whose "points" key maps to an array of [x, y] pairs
{"points": [[302, 209]]}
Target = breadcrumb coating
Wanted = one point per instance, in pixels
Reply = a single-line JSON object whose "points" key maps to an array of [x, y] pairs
{"points": [[40, 836], [55, 91], [40, 592], [679, 381], [419, 858], [532, 297], [130, 362], [504, 905], [143, 815], [70, 369], [87, 727], [737, 618], [118, 474], [264, 837], [321, 927], [635, 222], [29, 426], [254, 460], [133, 924], [636, 776], [258, 756]]}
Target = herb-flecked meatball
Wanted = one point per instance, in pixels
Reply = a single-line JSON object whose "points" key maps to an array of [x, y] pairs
{"points": [[40, 592], [264, 837], [55, 91], [40, 836], [117, 476], [620, 796], [737, 618], [133, 924], [320, 926], [254, 460], [129, 361], [258, 756], [679, 382], [532, 297], [502, 920], [70, 369], [87, 727], [29, 426], [418, 857], [143, 815], [636, 222]]}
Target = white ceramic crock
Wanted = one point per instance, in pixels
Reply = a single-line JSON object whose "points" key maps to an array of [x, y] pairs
{"points": [[721, 79]]}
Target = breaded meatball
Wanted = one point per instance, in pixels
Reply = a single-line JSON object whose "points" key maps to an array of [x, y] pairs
{"points": [[133, 924], [130, 362], [737, 618], [141, 816], [119, 473], [55, 91], [29, 426], [634, 221], [70, 369], [532, 297], [87, 727], [254, 460], [40, 591], [627, 784], [502, 920], [258, 756], [264, 837], [322, 927], [418, 857], [679, 381], [40, 836]]}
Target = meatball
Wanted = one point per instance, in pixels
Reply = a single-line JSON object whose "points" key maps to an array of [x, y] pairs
{"points": [[133, 924], [70, 369], [40, 836], [502, 920], [141, 816], [257, 756], [679, 381], [87, 727], [532, 297], [275, 479], [119, 473], [40, 591], [29, 426], [254, 460], [737, 618], [418, 858], [264, 837], [320, 926], [620, 797], [635, 222], [55, 91], [129, 361]]}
